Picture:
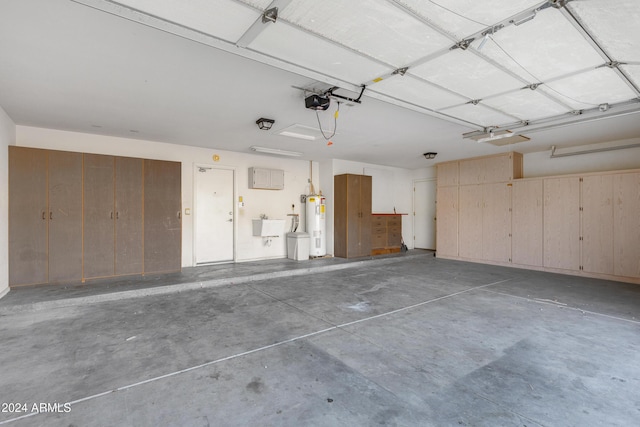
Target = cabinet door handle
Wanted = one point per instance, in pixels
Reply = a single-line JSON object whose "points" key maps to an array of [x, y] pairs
{"points": [[179, 214], [117, 215], [111, 215], [44, 215], [51, 215]]}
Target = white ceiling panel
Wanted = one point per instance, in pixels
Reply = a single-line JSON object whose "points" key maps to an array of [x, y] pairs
{"points": [[259, 4], [417, 92], [377, 29], [613, 24], [467, 74], [588, 90], [546, 47], [479, 115], [298, 47], [527, 104], [633, 72], [224, 19], [462, 18]]}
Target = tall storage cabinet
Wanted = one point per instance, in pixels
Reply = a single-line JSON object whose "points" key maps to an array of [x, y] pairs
{"points": [[45, 216], [75, 216], [162, 216], [352, 215], [112, 216], [28, 216]]}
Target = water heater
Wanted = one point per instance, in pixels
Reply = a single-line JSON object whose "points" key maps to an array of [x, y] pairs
{"points": [[317, 225]]}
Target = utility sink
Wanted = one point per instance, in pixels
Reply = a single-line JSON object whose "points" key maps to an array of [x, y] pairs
{"points": [[268, 227]]}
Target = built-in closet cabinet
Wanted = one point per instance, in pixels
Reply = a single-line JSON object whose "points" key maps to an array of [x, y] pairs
{"points": [[496, 222], [447, 220], [562, 223], [45, 216], [597, 224], [352, 215], [586, 224], [162, 216], [626, 224], [112, 216], [74, 217], [526, 222]]}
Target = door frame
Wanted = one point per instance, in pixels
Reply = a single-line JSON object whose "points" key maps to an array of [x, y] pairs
{"points": [[413, 202], [197, 166]]}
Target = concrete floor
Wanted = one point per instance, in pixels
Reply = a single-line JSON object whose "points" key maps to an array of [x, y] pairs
{"points": [[407, 340]]}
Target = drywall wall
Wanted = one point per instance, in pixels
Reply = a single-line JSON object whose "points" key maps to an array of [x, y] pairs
{"points": [[273, 203], [7, 137], [391, 188], [540, 164]]}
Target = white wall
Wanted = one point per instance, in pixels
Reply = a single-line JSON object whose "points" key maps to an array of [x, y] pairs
{"points": [[274, 203], [540, 164], [7, 137]]}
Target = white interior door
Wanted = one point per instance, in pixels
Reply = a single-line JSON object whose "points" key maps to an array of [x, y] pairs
{"points": [[424, 214], [214, 215]]}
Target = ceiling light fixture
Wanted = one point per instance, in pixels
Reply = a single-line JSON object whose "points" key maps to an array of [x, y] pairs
{"points": [[277, 152], [265, 124], [430, 155], [488, 134], [522, 20]]}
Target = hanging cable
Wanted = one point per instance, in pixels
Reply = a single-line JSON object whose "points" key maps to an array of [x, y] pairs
{"points": [[458, 14], [335, 123]]}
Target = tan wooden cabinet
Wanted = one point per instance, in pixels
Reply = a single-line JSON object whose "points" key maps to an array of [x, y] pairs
{"points": [[112, 216], [626, 224], [74, 217], [447, 174], [526, 223], [447, 221], [497, 168], [597, 224], [162, 216], [45, 216], [496, 222], [386, 233], [562, 223], [352, 215], [470, 221]]}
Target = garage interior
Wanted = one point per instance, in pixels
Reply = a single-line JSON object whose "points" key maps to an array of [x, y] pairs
{"points": [[480, 165]]}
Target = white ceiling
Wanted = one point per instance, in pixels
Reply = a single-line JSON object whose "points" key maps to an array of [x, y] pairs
{"points": [[201, 72]]}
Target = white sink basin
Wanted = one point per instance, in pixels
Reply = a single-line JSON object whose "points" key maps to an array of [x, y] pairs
{"points": [[268, 227]]}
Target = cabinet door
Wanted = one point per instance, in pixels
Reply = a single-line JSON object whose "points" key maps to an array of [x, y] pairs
{"points": [[447, 173], [496, 222], [162, 216], [354, 212], [526, 241], [128, 231], [447, 221], [99, 216], [65, 216], [28, 216], [597, 224], [626, 230], [365, 215], [562, 223], [471, 171], [340, 215], [470, 222]]}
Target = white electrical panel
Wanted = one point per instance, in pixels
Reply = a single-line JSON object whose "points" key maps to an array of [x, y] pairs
{"points": [[266, 179]]}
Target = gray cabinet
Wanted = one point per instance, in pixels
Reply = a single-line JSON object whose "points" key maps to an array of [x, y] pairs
{"points": [[112, 216], [162, 216], [266, 179], [74, 217], [45, 216]]}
